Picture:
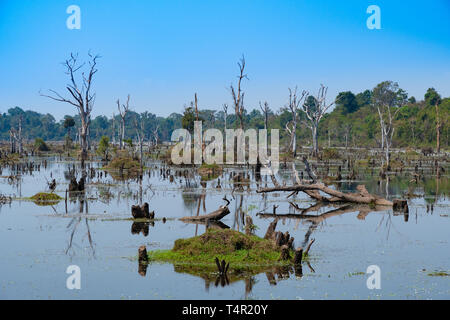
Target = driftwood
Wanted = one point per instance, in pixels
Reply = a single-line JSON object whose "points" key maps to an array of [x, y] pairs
{"points": [[213, 216]]}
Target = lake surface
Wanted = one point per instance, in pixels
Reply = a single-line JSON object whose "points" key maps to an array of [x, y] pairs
{"points": [[38, 243]]}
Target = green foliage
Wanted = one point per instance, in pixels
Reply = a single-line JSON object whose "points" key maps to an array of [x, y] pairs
{"points": [[187, 122], [69, 122], [346, 101], [358, 124], [40, 145], [46, 199], [103, 147]]}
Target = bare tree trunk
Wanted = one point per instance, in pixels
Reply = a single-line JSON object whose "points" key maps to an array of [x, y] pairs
{"points": [[238, 96], [82, 98], [294, 102], [19, 138], [315, 113], [225, 110], [265, 110], [123, 114]]}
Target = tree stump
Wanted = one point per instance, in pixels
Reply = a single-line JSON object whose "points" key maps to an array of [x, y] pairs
{"points": [[143, 260], [248, 225], [142, 212], [400, 205], [298, 256], [270, 230], [285, 253]]}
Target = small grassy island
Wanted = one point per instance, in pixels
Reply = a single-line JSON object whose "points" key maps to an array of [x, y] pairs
{"points": [[45, 199], [244, 253]]}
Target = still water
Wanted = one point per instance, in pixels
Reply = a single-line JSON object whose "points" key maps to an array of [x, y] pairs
{"points": [[38, 243]]}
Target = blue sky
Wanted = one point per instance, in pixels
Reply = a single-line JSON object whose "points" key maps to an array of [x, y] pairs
{"points": [[162, 52]]}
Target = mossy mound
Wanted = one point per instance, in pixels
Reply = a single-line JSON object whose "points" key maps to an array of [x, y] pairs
{"points": [[210, 171], [240, 250], [46, 199], [123, 167]]}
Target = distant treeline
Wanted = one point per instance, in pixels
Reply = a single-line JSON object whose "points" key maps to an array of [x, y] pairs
{"points": [[353, 122]]}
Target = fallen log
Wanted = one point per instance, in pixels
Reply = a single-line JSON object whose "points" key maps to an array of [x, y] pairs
{"points": [[213, 216], [363, 197]]}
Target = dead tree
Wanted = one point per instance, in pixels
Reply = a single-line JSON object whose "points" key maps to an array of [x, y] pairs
{"points": [[388, 98], [314, 109], [265, 110], [81, 96], [12, 140], [225, 115], [123, 112], [113, 124], [291, 127], [139, 126], [155, 135], [238, 94]]}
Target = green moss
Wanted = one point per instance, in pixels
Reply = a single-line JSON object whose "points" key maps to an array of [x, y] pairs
{"points": [[210, 171], [46, 199], [123, 167], [241, 251], [438, 274]]}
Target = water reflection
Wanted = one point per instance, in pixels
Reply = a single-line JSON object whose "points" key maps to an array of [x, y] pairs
{"points": [[105, 196]]}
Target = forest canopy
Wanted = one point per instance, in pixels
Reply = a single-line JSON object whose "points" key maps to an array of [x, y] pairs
{"points": [[353, 122]]}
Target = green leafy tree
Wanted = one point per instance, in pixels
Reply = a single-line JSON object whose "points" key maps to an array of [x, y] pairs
{"points": [[103, 147], [346, 101]]}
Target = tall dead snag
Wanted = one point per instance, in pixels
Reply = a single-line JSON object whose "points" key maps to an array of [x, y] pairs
{"points": [[238, 96], [123, 112], [139, 126], [265, 110], [388, 99], [155, 135], [291, 127], [81, 96], [314, 109], [15, 137], [225, 115]]}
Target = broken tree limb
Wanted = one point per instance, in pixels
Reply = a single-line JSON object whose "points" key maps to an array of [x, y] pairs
{"points": [[309, 247], [310, 173], [213, 216]]}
